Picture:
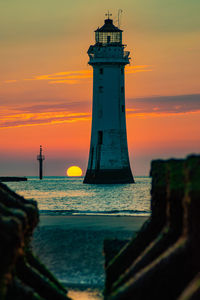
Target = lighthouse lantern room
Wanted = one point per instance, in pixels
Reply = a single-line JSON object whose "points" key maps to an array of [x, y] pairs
{"points": [[108, 159]]}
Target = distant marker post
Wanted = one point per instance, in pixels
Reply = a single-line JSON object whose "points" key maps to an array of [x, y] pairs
{"points": [[40, 158]]}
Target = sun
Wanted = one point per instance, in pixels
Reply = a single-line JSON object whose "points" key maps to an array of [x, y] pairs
{"points": [[74, 171]]}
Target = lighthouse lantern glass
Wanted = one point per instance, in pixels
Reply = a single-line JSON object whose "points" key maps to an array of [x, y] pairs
{"points": [[108, 37]]}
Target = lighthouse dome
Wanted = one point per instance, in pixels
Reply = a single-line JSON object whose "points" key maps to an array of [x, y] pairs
{"points": [[108, 33]]}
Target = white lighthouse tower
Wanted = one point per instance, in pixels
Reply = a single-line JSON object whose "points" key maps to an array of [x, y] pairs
{"points": [[108, 158]]}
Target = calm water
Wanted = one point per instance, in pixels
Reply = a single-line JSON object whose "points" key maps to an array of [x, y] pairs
{"points": [[69, 196]]}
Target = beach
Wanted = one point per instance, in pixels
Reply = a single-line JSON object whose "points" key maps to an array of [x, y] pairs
{"points": [[76, 218], [72, 248]]}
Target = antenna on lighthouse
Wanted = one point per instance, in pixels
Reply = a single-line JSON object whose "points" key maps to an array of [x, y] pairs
{"points": [[119, 14], [40, 158]]}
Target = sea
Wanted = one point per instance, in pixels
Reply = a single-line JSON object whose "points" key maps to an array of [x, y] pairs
{"points": [[69, 196], [74, 254]]}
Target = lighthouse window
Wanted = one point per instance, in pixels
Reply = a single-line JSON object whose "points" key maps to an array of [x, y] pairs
{"points": [[100, 137], [123, 108], [100, 89], [122, 71], [108, 37], [122, 89], [101, 71]]}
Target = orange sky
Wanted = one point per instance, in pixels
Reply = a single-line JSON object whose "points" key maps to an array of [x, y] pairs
{"points": [[46, 84]]}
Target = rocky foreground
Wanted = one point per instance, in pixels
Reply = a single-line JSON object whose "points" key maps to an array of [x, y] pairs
{"points": [[22, 275], [163, 260]]}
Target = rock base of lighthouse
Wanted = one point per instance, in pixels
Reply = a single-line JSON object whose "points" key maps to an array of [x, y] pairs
{"points": [[115, 176]]}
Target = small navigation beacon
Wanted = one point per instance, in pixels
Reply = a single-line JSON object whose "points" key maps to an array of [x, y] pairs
{"points": [[40, 158]]}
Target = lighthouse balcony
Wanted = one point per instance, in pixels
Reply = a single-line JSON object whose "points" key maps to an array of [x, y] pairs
{"points": [[108, 50], [108, 55], [109, 60]]}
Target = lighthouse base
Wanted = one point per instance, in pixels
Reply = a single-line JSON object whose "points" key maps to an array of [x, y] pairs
{"points": [[117, 176]]}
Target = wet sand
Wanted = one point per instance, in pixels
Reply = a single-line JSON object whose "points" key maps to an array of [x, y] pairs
{"points": [[111, 223], [72, 248]]}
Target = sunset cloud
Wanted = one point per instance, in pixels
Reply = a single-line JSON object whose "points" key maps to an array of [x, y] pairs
{"points": [[64, 81], [167, 105], [10, 81], [74, 77], [82, 106], [17, 118], [68, 77], [138, 68], [68, 112]]}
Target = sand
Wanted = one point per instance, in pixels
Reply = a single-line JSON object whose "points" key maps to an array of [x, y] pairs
{"points": [[111, 223], [72, 248]]}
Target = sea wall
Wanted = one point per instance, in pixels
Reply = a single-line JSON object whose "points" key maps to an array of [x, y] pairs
{"points": [[22, 275], [162, 261], [11, 178]]}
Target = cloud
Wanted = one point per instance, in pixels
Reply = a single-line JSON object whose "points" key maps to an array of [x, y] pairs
{"points": [[10, 81], [68, 77], [68, 112], [40, 115], [74, 77], [64, 81], [157, 106], [83, 106], [21, 120], [138, 68]]}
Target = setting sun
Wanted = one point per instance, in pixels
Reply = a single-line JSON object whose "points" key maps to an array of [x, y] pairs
{"points": [[74, 171]]}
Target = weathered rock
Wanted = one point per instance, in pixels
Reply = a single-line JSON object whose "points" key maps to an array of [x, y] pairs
{"points": [[35, 263], [149, 230], [38, 282], [167, 276], [11, 245], [12, 200], [22, 275], [112, 247], [14, 212], [192, 291], [174, 222], [18, 291]]}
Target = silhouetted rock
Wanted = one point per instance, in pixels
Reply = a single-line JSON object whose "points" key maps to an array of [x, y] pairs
{"points": [[149, 230], [166, 275], [112, 248], [22, 275], [174, 221], [192, 291]]}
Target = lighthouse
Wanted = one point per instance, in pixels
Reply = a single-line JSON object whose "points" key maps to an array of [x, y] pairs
{"points": [[108, 158]]}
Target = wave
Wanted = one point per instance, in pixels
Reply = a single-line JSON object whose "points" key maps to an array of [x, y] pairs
{"points": [[95, 213]]}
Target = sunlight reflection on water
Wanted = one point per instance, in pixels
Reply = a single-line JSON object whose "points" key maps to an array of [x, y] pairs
{"points": [[84, 295], [71, 196]]}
